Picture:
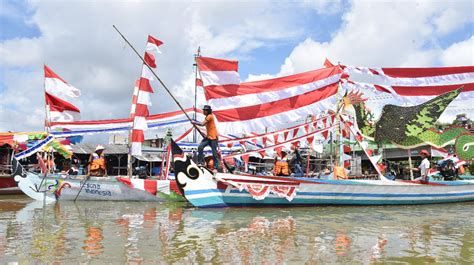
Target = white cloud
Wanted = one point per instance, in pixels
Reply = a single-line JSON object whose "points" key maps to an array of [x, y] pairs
{"points": [[385, 34], [460, 53], [458, 14], [78, 42]]}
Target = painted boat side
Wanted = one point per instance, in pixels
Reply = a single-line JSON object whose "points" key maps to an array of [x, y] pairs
{"points": [[56, 188], [337, 193], [202, 188]]}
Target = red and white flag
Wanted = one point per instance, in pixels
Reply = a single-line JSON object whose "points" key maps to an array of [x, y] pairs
{"points": [[439, 152], [141, 99], [414, 86], [153, 44], [60, 110], [55, 85], [253, 106]]}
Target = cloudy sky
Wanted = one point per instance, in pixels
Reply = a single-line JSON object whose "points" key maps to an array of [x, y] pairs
{"points": [[76, 40]]}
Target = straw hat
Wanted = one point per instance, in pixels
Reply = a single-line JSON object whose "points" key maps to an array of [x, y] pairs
{"points": [[99, 147]]}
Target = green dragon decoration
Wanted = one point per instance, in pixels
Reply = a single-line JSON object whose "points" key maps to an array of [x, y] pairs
{"points": [[409, 127]]}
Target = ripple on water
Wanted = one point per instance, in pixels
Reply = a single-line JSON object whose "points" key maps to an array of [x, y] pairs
{"points": [[119, 232]]}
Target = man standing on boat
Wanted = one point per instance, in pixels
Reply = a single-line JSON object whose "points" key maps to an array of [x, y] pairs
{"points": [[424, 166], [211, 137], [97, 165]]}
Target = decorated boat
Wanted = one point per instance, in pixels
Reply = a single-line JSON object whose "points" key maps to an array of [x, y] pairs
{"points": [[57, 187], [202, 188]]}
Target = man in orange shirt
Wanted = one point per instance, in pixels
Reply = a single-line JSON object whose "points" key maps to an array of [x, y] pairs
{"points": [[211, 137]]}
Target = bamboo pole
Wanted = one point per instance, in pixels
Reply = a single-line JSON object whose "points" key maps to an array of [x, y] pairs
{"points": [[195, 89], [159, 80], [410, 164]]}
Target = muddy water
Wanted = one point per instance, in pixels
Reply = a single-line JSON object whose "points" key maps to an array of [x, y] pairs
{"points": [[118, 232]]}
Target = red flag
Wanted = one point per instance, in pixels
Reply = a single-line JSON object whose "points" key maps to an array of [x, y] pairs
{"points": [[285, 135], [245, 158], [295, 131], [325, 134], [278, 149], [310, 139], [347, 149], [328, 63], [347, 163], [306, 128], [150, 60], [275, 138]]}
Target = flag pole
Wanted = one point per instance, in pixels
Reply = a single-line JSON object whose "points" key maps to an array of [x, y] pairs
{"points": [[47, 119], [159, 80], [195, 88]]}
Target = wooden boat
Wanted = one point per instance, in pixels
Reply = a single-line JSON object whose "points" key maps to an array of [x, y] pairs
{"points": [[203, 188], [56, 187]]}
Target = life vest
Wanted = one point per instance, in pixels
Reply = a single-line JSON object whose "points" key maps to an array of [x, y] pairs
{"points": [[98, 162], [282, 167]]}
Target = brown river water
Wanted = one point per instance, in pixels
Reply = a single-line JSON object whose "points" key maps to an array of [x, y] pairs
{"points": [[152, 233]]}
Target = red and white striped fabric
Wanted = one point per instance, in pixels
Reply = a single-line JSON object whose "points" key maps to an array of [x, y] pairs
{"points": [[439, 152], [134, 98], [149, 185], [253, 106], [416, 76], [414, 95], [140, 112], [218, 74], [55, 85], [154, 122], [417, 85], [60, 110]]}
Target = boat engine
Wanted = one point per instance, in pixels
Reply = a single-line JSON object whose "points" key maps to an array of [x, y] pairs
{"points": [[447, 169], [140, 172]]}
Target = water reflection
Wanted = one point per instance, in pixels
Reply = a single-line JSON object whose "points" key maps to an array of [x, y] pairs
{"points": [[175, 233]]}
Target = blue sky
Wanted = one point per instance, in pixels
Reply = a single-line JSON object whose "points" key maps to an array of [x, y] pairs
{"points": [[14, 20], [268, 38]]}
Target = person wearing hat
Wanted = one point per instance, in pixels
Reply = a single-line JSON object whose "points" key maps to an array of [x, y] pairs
{"points": [[282, 167], [211, 137], [424, 166], [97, 166]]}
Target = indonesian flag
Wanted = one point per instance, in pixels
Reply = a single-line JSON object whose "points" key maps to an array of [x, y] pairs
{"points": [[55, 85], [439, 152], [253, 106], [60, 110], [153, 44]]}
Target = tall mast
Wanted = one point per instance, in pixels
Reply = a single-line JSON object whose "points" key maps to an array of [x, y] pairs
{"points": [[47, 117], [195, 89]]}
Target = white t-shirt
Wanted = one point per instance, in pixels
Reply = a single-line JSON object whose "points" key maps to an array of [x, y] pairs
{"points": [[424, 166]]}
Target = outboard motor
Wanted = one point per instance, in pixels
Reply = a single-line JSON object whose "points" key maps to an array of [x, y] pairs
{"points": [[447, 169]]}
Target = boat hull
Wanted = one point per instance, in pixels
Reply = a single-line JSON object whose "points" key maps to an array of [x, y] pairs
{"points": [[95, 189], [336, 194]]}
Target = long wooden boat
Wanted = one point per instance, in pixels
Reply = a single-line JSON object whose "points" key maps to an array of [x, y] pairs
{"points": [[203, 188], [55, 187]]}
